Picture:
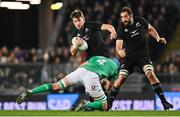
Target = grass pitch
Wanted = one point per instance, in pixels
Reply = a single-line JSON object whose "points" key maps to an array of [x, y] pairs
{"points": [[23, 113]]}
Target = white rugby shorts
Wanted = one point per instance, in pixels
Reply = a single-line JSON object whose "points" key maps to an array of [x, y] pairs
{"points": [[91, 82]]}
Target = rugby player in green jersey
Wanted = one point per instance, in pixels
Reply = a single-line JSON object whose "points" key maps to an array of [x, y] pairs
{"points": [[89, 74]]}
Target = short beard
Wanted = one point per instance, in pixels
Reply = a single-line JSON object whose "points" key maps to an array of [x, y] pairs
{"points": [[127, 23]]}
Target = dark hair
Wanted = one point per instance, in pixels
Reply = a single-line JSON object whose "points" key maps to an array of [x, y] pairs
{"points": [[76, 14], [127, 9]]}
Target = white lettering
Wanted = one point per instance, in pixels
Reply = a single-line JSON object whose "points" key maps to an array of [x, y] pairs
{"points": [[13, 106], [36, 105], [133, 105], [59, 104], [176, 103], [122, 105], [143, 105], [0, 105]]}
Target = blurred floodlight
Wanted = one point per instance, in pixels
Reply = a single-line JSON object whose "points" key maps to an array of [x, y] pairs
{"points": [[56, 6], [6, 4], [23, 0], [14, 5], [19, 7], [35, 2]]}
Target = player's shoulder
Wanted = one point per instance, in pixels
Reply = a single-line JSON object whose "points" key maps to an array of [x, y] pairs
{"points": [[139, 19], [91, 25]]}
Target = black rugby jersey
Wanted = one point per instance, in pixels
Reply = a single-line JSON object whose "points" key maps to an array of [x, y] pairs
{"points": [[133, 37], [91, 33]]}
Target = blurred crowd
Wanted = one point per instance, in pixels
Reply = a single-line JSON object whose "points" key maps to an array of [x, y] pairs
{"points": [[19, 56], [170, 64]]}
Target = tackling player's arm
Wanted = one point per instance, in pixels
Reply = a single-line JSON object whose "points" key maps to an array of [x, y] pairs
{"points": [[119, 48], [84, 63], [152, 31], [107, 84], [111, 29]]}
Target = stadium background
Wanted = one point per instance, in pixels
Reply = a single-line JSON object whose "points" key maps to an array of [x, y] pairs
{"points": [[34, 49]]}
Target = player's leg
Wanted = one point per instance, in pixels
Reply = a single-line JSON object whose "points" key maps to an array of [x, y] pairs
{"points": [[115, 89], [70, 79], [94, 89], [126, 69], [155, 83], [60, 85]]}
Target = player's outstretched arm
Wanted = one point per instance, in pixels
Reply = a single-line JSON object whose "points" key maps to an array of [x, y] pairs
{"points": [[119, 48], [152, 31], [111, 29]]}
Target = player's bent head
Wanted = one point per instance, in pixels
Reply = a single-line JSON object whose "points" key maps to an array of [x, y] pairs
{"points": [[117, 61], [76, 14]]}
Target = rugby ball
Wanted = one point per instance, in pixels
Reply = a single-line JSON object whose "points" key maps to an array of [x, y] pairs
{"points": [[82, 47]]}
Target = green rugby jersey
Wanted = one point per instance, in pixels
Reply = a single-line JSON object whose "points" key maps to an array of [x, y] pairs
{"points": [[104, 67]]}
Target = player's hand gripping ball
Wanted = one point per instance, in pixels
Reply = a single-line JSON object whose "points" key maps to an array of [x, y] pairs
{"points": [[79, 43]]}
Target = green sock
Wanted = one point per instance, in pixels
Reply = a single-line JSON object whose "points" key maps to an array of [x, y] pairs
{"points": [[42, 88], [97, 105]]}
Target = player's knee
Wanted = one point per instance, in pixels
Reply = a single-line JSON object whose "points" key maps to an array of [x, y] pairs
{"points": [[60, 85], [55, 87], [150, 75]]}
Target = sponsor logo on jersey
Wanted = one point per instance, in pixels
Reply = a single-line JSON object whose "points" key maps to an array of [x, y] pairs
{"points": [[134, 33], [93, 87], [126, 30], [138, 24], [86, 30], [86, 35], [86, 38]]}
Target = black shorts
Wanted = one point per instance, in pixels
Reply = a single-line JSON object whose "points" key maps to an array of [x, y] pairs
{"points": [[130, 63]]}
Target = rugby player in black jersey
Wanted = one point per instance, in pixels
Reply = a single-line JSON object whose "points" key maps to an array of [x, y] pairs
{"points": [[131, 45], [91, 33]]}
